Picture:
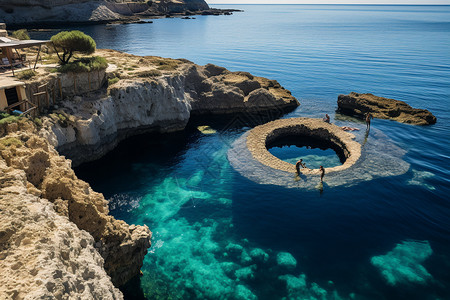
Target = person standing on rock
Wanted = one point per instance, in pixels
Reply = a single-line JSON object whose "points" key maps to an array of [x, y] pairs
{"points": [[368, 118], [322, 173], [326, 118], [298, 165]]}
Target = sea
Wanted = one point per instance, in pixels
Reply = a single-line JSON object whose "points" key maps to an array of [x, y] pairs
{"points": [[219, 234]]}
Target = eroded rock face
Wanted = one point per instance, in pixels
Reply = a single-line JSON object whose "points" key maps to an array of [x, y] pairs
{"points": [[384, 108], [72, 12], [49, 177], [90, 11], [85, 128], [95, 124], [42, 254]]}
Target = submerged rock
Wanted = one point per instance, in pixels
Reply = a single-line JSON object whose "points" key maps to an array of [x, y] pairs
{"points": [[286, 261], [384, 108], [403, 263]]}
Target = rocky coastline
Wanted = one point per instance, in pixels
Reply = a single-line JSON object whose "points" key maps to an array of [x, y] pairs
{"points": [[77, 248], [54, 13]]}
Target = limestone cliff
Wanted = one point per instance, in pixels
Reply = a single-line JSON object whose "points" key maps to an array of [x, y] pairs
{"points": [[55, 223], [47, 177], [33, 12], [42, 254], [162, 103]]}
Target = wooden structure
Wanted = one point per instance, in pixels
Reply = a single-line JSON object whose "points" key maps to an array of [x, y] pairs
{"points": [[8, 47], [13, 97]]}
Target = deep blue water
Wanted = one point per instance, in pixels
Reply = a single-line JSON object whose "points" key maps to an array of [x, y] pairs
{"points": [[218, 235]]}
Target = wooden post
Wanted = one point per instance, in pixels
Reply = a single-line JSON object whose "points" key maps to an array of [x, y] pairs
{"points": [[9, 56], [60, 88], [37, 57]]}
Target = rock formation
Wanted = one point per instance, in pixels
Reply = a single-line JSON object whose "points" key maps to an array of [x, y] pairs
{"points": [[47, 12], [54, 224], [343, 142], [163, 103], [36, 173], [42, 254], [384, 108]]}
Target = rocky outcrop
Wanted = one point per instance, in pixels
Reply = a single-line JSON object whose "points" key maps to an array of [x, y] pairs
{"points": [[45, 201], [384, 108], [93, 125], [48, 177], [42, 254], [33, 12], [77, 12], [343, 142]]}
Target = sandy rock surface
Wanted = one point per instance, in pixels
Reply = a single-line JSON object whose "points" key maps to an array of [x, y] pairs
{"points": [[42, 254], [49, 177], [384, 108]]}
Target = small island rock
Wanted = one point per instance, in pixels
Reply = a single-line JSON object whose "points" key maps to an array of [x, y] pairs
{"points": [[384, 108]]}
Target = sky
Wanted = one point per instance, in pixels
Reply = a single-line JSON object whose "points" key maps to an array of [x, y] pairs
{"points": [[423, 2]]}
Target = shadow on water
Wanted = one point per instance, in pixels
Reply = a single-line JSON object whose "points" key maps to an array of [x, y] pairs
{"points": [[106, 174], [133, 290]]}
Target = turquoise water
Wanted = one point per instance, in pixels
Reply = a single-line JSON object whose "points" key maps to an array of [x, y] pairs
{"points": [[219, 235]]}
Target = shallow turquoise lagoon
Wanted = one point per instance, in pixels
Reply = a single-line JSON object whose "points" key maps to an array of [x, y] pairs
{"points": [[218, 235]]}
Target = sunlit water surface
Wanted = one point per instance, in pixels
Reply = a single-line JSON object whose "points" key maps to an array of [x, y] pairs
{"points": [[218, 235]]}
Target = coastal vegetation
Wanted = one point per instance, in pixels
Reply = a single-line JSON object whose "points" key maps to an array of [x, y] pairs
{"points": [[72, 41], [6, 118], [84, 64], [26, 75], [21, 34], [10, 141]]}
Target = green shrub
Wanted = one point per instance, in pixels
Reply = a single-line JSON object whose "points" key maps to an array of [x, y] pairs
{"points": [[72, 41], [9, 119], [38, 122], [25, 75], [150, 73], [111, 81], [21, 34], [85, 64], [169, 67], [7, 142]]}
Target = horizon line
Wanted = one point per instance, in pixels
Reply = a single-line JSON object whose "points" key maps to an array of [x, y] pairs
{"points": [[353, 4], [372, 4]]}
